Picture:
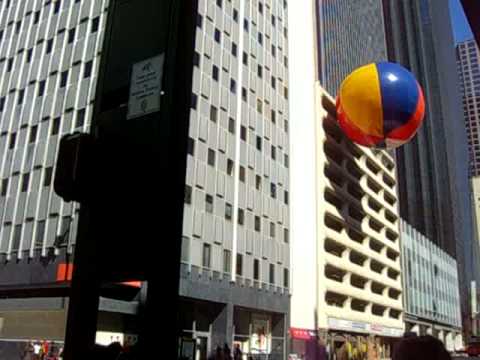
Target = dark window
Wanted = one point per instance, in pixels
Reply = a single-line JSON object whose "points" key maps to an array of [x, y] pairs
{"points": [[260, 38], [188, 194], [95, 24], [71, 35], [286, 236], [209, 203], [206, 256], [234, 49], [215, 73], [231, 125], [285, 197], [274, 152], [64, 79], [217, 36], [245, 25], [227, 261], [13, 139], [259, 71], [219, 3], [33, 134], [286, 161], [211, 157], [213, 113], [29, 55], [55, 126], [244, 94], [243, 133], [194, 101], [286, 278], [256, 269], [273, 190], [258, 182], [4, 188], [260, 8], [17, 236], [199, 21], [242, 174], [272, 274], [191, 146], [274, 51], [229, 167], [228, 211], [272, 229], [41, 88], [196, 59], [233, 86], [2, 103], [235, 15], [80, 121], [10, 64], [273, 82], [49, 47], [259, 143], [87, 71], [257, 223], [245, 58], [273, 116], [36, 17], [18, 26], [62, 238], [56, 6], [47, 177], [25, 182], [239, 264], [241, 216], [21, 96]]}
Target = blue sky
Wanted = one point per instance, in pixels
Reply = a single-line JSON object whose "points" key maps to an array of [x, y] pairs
{"points": [[461, 28]]}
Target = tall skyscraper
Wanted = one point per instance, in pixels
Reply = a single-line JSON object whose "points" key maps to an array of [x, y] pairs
{"points": [[433, 167], [468, 61], [351, 34], [235, 249]]}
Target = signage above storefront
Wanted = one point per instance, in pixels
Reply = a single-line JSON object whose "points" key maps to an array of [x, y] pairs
{"points": [[362, 327], [302, 334]]}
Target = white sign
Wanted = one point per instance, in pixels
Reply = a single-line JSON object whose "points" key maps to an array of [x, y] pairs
{"points": [[145, 87], [358, 326]]}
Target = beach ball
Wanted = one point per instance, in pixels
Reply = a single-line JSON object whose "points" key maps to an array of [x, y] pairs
{"points": [[380, 105]]}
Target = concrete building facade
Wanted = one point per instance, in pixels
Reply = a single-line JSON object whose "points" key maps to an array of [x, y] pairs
{"points": [[431, 292], [235, 251]]}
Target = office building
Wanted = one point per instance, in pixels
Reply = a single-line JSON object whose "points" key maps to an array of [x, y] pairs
{"points": [[235, 249], [431, 293]]}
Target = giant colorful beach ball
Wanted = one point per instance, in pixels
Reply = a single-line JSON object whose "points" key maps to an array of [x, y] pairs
{"points": [[380, 105]]}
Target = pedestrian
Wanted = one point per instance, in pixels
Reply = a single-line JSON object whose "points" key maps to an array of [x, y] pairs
{"points": [[227, 353], [237, 353], [420, 348]]}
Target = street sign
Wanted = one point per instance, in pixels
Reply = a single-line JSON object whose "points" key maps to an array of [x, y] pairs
{"points": [[145, 87]]}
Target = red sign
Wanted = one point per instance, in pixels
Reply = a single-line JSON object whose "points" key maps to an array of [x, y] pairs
{"points": [[302, 334]]}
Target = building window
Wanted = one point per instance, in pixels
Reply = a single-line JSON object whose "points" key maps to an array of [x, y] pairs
{"points": [[55, 126], [194, 103], [213, 113], [227, 261], [13, 139], [196, 59], [9, 65], [234, 49], [17, 236], [188, 194], [71, 35], [286, 160], [274, 152], [47, 176], [256, 269], [230, 167], [235, 15], [4, 188], [29, 55], [272, 274], [260, 71], [87, 71], [217, 36], [245, 25], [80, 121], [62, 238], [259, 143], [63, 79], [239, 269], [272, 229], [231, 125], [228, 211], [56, 6], [257, 223], [243, 133], [95, 24], [185, 249], [260, 38], [258, 182], [286, 278], [286, 236], [36, 17], [41, 88], [209, 203], [285, 197], [245, 59], [206, 256], [259, 106], [241, 216], [242, 174], [49, 47], [244, 94], [21, 96], [199, 21], [215, 72], [33, 134], [191, 146], [273, 190], [25, 182], [211, 157], [233, 86]]}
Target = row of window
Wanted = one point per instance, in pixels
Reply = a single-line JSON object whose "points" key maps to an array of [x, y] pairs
{"points": [[207, 264], [25, 181]]}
